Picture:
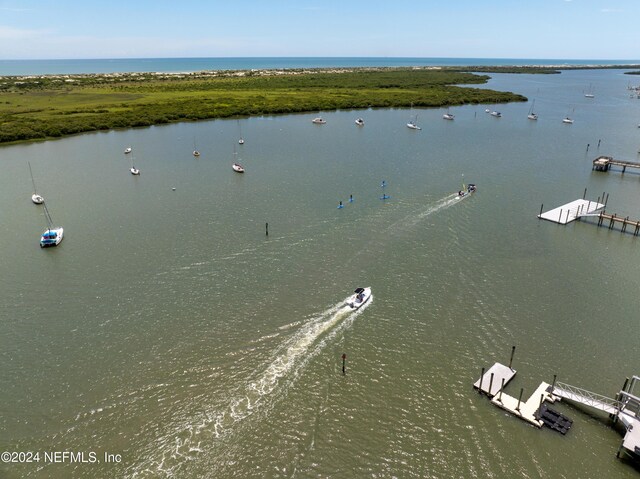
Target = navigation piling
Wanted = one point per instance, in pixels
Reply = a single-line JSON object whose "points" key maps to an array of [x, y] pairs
{"points": [[266, 228], [344, 360]]}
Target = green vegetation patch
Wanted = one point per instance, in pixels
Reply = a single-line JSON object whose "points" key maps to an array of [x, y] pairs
{"points": [[34, 108]]}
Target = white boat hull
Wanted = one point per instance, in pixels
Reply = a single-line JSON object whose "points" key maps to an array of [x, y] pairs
{"points": [[413, 126], [37, 199], [51, 237], [237, 168], [356, 301], [134, 171]]}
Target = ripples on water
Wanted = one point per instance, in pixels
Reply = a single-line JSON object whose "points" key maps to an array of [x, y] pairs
{"points": [[197, 347]]}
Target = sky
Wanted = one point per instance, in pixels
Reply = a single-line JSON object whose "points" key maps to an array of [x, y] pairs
{"points": [[537, 29]]}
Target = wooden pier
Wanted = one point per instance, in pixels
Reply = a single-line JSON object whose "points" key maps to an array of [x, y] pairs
{"points": [[604, 163], [618, 220]]}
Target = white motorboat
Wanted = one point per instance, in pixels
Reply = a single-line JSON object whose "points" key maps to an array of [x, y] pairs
{"points": [[495, 113], [360, 122], [134, 171], [196, 153], [237, 167], [567, 120], [127, 150], [319, 120], [448, 116], [241, 141], [51, 236], [412, 124], [35, 197], [359, 298]]}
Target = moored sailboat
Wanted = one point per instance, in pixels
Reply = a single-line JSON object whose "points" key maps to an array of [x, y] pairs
{"points": [[51, 236], [531, 115], [35, 197]]}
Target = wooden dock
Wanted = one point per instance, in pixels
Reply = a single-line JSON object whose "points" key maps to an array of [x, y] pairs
{"points": [[571, 211], [604, 163], [618, 220]]}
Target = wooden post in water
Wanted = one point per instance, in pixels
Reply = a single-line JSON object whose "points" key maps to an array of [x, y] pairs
{"points": [[266, 228], [541, 206], [519, 399], [344, 359], [606, 200], [584, 195], [624, 388], [513, 350], [490, 383], [541, 401], [480, 385], [553, 384], [501, 388]]}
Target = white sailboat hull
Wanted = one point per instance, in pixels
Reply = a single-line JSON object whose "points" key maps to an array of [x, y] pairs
{"points": [[37, 199]]}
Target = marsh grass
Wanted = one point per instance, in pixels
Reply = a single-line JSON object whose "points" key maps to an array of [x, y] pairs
{"points": [[48, 107]]}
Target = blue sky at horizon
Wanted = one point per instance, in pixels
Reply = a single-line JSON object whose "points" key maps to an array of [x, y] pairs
{"points": [[546, 29]]}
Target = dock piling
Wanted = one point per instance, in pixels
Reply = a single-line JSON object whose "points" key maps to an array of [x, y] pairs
{"points": [[490, 383], [513, 350], [480, 386], [500, 393], [519, 399]]}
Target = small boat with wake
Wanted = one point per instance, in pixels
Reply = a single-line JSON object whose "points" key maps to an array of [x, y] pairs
{"points": [[359, 297], [360, 122], [466, 190]]}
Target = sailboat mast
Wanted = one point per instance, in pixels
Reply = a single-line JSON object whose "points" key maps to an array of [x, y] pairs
{"points": [[32, 180], [47, 216]]}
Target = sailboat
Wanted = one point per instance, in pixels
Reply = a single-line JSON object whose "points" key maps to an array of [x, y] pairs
{"points": [[237, 167], [589, 93], [35, 197], [51, 236], [448, 116], [241, 140], [532, 115], [134, 171], [567, 119], [195, 150], [413, 121]]}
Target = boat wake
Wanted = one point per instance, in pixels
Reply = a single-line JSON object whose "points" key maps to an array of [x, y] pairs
{"points": [[172, 451]]}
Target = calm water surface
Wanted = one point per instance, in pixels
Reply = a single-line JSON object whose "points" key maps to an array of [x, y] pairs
{"points": [[169, 329]]}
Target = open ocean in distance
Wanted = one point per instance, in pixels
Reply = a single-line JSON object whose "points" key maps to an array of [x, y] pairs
{"points": [[115, 65]]}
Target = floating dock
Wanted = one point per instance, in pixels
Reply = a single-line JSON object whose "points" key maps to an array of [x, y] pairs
{"points": [[493, 382], [625, 408], [572, 211]]}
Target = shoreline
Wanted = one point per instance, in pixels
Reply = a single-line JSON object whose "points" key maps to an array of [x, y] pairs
{"points": [[42, 107], [226, 73]]}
